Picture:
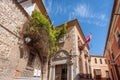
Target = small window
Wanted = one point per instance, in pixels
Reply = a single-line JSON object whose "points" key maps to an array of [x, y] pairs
{"points": [[119, 41], [61, 39], [67, 35], [113, 54], [107, 75], [95, 60], [100, 61], [118, 38], [31, 59], [105, 61], [119, 71]]}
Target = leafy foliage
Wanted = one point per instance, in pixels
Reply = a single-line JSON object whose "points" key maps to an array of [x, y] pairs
{"points": [[38, 22]]}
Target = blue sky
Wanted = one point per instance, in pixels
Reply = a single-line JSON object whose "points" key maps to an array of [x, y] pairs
{"points": [[93, 17]]}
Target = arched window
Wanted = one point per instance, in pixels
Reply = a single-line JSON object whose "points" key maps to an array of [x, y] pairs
{"points": [[95, 60], [105, 61], [100, 61]]}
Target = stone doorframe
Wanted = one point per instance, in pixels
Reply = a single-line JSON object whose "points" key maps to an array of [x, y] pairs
{"points": [[59, 58]]}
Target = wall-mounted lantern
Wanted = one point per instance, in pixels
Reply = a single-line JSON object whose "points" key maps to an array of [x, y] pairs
{"points": [[27, 39]]}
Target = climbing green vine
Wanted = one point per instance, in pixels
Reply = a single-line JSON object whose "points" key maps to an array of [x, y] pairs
{"points": [[38, 22]]}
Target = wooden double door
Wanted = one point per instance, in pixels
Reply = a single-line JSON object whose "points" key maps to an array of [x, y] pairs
{"points": [[61, 72]]}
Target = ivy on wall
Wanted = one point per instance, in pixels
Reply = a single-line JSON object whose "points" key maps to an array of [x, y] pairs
{"points": [[39, 22]]}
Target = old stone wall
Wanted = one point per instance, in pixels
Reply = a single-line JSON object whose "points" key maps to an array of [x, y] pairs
{"points": [[12, 19], [68, 40]]}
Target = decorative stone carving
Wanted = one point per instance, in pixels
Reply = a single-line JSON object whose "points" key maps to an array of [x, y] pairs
{"points": [[60, 55]]}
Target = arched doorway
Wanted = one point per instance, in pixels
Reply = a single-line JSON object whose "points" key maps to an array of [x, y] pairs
{"points": [[60, 66]]}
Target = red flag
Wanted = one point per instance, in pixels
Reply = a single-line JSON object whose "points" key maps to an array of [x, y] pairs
{"points": [[85, 42], [88, 39]]}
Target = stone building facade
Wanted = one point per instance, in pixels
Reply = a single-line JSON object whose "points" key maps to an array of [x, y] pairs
{"points": [[9, 33], [99, 67], [17, 60], [112, 47], [69, 61]]}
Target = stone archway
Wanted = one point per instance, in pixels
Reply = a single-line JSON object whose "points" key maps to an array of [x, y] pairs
{"points": [[59, 60]]}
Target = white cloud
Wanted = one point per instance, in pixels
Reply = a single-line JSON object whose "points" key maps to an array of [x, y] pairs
{"points": [[84, 11], [97, 23], [102, 17], [80, 11], [54, 9], [59, 9]]}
